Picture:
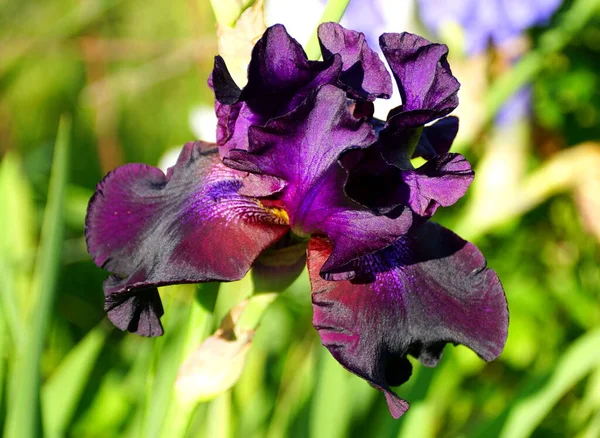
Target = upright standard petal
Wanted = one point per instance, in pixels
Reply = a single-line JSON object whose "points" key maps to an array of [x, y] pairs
{"points": [[429, 289], [303, 149], [363, 73], [150, 229], [280, 76], [427, 87]]}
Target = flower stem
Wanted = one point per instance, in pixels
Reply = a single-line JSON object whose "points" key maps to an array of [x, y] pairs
{"points": [[227, 12], [333, 12]]}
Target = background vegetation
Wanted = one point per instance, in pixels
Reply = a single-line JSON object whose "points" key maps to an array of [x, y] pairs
{"points": [[87, 85]]}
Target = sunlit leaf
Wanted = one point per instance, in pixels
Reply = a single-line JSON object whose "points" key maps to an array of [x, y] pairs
{"points": [[581, 358], [23, 418], [62, 392]]}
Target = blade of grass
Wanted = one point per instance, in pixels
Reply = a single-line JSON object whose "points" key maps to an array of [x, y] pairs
{"points": [[8, 304], [3, 357], [17, 243], [219, 416], [201, 318], [331, 404], [23, 417], [297, 384], [170, 354], [62, 392], [579, 360]]}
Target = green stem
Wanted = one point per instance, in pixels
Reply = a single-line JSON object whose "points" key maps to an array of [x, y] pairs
{"points": [[333, 12], [227, 12]]}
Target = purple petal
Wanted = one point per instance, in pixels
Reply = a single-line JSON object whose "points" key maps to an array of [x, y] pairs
{"points": [[189, 226], [280, 77], [441, 181], [280, 74], [427, 87], [221, 82], [373, 182], [303, 148], [362, 71], [384, 187], [437, 138], [353, 229], [429, 289]]}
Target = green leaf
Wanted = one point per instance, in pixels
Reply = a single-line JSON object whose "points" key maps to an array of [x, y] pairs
{"points": [[555, 39], [17, 242], [62, 392], [23, 416], [579, 360], [331, 405]]}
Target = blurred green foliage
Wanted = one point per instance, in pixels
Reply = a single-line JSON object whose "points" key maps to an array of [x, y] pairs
{"points": [[127, 75]]}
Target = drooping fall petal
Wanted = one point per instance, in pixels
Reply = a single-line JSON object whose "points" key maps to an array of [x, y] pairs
{"points": [[150, 229], [428, 289]]}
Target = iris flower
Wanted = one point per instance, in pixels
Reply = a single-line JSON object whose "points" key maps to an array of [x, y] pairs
{"points": [[301, 162]]}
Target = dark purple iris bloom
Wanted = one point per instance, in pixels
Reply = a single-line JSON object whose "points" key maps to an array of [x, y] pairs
{"points": [[301, 162]]}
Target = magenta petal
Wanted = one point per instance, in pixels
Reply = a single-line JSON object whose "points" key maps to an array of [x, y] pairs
{"points": [[427, 87], [190, 226], [441, 181], [137, 312], [363, 72], [429, 289]]}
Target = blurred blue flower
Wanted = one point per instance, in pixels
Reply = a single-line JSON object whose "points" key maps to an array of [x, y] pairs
{"points": [[487, 20]]}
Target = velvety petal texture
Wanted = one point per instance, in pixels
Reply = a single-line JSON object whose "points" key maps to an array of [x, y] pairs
{"points": [[363, 72], [441, 181], [428, 289], [427, 86], [303, 148], [280, 76], [384, 187], [191, 225], [436, 139]]}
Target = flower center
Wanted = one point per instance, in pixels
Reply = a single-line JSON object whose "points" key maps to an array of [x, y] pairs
{"points": [[279, 213]]}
